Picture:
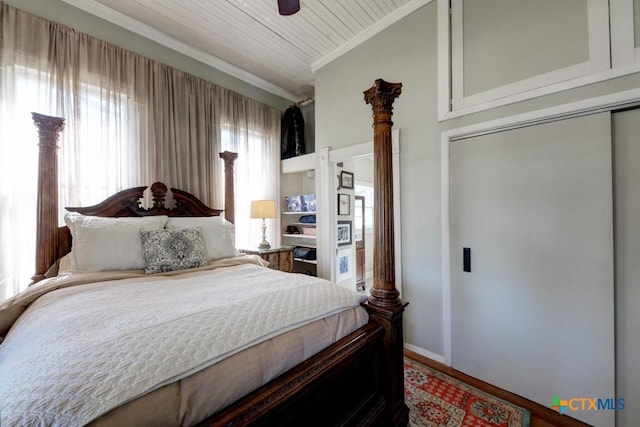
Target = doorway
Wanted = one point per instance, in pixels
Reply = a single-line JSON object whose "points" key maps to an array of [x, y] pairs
{"points": [[360, 239], [328, 218], [360, 243]]}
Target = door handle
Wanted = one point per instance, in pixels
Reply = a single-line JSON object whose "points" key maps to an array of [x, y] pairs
{"points": [[466, 260]]}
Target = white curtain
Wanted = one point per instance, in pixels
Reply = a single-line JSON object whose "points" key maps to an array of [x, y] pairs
{"points": [[130, 121], [256, 138]]}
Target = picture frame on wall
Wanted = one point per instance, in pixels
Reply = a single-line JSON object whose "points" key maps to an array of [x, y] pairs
{"points": [[344, 266], [344, 204], [344, 233], [346, 180]]}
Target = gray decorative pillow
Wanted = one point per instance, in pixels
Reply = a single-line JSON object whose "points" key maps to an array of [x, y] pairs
{"points": [[169, 250]]}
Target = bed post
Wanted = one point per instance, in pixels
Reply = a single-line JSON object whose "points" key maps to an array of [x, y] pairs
{"points": [[384, 304], [229, 190], [49, 129]]}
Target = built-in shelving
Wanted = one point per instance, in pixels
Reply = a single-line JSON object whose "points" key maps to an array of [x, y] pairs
{"points": [[300, 236], [298, 178], [306, 245], [306, 162]]}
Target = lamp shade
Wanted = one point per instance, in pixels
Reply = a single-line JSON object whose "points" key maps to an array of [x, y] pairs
{"points": [[263, 209]]}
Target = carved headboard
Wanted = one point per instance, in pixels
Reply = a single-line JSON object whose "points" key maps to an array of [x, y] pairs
{"points": [[129, 203], [53, 241]]}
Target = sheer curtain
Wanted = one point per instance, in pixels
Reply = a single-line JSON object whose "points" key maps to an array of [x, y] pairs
{"points": [[51, 69], [129, 121], [253, 133]]}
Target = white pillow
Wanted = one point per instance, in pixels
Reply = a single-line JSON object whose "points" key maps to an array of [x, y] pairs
{"points": [[66, 264], [219, 234], [109, 243]]}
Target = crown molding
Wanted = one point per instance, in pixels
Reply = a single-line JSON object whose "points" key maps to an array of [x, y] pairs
{"points": [[135, 26]]}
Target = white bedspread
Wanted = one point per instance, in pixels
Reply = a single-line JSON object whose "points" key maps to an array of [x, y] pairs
{"points": [[78, 352]]}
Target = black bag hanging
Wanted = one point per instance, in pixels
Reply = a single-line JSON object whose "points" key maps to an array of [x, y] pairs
{"points": [[292, 133]]}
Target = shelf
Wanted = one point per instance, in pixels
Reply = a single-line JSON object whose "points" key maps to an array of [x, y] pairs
{"points": [[304, 224], [300, 236], [299, 213], [301, 163], [305, 245], [307, 261]]}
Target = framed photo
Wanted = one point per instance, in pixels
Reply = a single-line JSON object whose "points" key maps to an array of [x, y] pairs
{"points": [[344, 204], [346, 180], [344, 266], [343, 233]]}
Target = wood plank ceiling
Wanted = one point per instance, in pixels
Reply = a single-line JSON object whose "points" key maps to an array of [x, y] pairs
{"points": [[249, 39]]}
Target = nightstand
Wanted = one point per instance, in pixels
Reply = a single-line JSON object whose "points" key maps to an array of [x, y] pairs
{"points": [[280, 258]]}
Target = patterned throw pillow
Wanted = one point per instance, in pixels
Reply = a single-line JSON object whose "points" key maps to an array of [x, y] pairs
{"points": [[169, 250]]}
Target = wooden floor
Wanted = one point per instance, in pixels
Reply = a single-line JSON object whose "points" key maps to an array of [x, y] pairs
{"points": [[541, 416]]}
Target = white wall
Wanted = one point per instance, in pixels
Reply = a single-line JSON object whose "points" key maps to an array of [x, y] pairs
{"points": [[486, 49], [309, 117], [407, 52], [363, 169]]}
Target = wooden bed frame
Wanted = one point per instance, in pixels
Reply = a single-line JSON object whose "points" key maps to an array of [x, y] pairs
{"points": [[357, 381]]}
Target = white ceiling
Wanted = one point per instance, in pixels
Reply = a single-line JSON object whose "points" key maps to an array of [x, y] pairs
{"points": [[250, 40]]}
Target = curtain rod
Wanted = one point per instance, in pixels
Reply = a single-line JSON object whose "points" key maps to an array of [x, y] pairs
{"points": [[308, 99]]}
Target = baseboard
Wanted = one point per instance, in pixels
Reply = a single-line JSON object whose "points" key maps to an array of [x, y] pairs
{"points": [[425, 353]]}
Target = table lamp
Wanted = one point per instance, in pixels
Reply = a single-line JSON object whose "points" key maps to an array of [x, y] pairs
{"points": [[263, 209]]}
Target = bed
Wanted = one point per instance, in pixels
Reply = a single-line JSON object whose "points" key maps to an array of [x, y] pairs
{"points": [[210, 337]]}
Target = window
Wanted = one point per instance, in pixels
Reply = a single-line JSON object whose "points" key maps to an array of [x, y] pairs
{"points": [[257, 173], [365, 191], [119, 131], [98, 156], [18, 179]]}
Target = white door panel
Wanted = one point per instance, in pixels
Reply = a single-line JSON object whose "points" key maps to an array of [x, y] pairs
{"points": [[535, 314], [626, 146]]}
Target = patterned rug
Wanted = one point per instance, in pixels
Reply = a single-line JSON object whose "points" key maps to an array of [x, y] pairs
{"points": [[437, 400]]}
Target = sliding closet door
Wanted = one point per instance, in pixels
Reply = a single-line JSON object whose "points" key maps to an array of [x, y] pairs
{"points": [[534, 315], [626, 147]]}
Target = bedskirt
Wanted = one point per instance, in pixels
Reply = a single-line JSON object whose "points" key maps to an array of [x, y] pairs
{"points": [[204, 393]]}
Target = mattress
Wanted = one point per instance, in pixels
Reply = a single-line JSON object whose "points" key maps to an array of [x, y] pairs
{"points": [[162, 350]]}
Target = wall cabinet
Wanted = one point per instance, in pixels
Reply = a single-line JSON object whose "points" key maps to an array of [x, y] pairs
{"points": [[586, 41]]}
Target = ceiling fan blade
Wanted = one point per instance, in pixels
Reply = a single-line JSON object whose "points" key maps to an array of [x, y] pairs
{"points": [[288, 7]]}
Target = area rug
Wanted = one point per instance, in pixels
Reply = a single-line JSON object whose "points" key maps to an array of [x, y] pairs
{"points": [[437, 400]]}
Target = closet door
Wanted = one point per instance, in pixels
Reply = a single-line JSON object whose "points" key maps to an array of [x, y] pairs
{"points": [[626, 147], [534, 315]]}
